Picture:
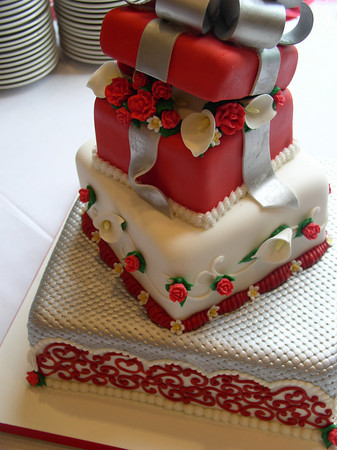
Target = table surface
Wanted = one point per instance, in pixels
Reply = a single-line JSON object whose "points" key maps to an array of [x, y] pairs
{"points": [[43, 125]]}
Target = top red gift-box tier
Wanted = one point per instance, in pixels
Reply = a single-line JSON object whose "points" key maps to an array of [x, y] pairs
{"points": [[201, 65]]}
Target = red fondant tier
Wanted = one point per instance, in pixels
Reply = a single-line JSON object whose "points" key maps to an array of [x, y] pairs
{"points": [[201, 65], [159, 316], [234, 393], [197, 183]]}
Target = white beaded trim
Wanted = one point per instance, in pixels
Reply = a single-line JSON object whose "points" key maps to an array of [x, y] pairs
{"points": [[200, 220], [190, 410]]}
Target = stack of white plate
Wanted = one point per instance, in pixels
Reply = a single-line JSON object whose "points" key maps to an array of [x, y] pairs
{"points": [[79, 25], [28, 48]]}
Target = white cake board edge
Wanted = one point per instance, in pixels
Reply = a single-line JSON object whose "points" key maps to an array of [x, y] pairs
{"points": [[88, 421]]}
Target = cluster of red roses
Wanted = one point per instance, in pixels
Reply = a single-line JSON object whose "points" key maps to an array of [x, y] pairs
{"points": [[230, 117], [141, 98]]}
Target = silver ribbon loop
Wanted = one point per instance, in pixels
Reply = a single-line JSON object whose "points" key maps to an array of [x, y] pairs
{"points": [[251, 23], [194, 14], [258, 173], [302, 29], [144, 150]]}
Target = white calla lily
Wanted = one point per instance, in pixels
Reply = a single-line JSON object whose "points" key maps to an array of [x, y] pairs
{"points": [[259, 111], [102, 77], [109, 226], [276, 249], [197, 131]]}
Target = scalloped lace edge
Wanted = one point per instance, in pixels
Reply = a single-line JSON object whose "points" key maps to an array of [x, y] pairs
{"points": [[213, 414]]}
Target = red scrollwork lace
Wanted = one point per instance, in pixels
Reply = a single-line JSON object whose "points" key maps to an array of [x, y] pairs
{"points": [[290, 405]]}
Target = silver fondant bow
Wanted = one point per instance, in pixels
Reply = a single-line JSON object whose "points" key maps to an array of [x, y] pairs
{"points": [[252, 23]]}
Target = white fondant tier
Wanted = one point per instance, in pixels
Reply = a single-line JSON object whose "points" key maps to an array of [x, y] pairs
{"points": [[173, 249], [285, 334]]}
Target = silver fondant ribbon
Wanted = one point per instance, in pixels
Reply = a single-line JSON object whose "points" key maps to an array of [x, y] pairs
{"points": [[252, 23], [258, 173], [269, 66], [144, 149], [155, 48]]}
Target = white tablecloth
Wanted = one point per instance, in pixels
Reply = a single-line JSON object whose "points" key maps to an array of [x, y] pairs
{"points": [[43, 124]]}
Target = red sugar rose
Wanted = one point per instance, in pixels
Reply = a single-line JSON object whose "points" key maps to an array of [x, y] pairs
{"points": [[142, 105], [311, 231], [123, 116], [139, 80], [32, 378], [118, 91], [161, 90], [230, 117], [279, 99], [224, 286], [332, 436], [170, 118], [84, 195], [132, 263], [177, 292]]}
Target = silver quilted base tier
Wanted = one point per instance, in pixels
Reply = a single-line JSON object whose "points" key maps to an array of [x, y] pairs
{"points": [[289, 333]]}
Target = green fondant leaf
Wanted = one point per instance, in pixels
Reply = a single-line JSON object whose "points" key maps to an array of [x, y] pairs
{"points": [[42, 380], [183, 302], [169, 132], [250, 256], [124, 225], [142, 263], [137, 123], [325, 432], [181, 280], [278, 230], [92, 197], [274, 91], [220, 277], [302, 225], [164, 105]]}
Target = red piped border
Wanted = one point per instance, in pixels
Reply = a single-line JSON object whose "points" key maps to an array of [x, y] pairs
{"points": [[159, 316]]}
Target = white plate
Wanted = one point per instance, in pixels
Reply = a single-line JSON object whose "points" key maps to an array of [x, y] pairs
{"points": [[28, 40], [83, 17], [83, 33], [26, 51], [16, 8], [62, 19], [84, 59], [90, 5], [41, 62], [26, 16], [35, 63], [25, 25], [82, 51], [19, 61], [30, 77], [45, 20], [85, 39], [9, 3], [94, 45]]}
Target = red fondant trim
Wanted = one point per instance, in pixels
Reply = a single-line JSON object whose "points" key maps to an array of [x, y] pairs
{"points": [[290, 405], [158, 315], [55, 438]]}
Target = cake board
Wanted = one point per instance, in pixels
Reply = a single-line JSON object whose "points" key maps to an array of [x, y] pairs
{"points": [[85, 420]]}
